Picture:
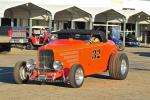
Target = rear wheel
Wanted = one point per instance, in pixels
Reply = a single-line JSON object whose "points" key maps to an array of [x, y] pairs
{"points": [[20, 72], [118, 66], [76, 76], [30, 46], [8, 48]]}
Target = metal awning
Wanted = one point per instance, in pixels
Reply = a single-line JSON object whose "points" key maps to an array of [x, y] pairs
{"points": [[29, 7], [110, 15], [94, 11], [141, 17], [73, 13], [55, 8], [27, 10], [127, 13], [5, 5]]}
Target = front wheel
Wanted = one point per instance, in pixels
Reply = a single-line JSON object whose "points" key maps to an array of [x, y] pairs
{"points": [[76, 76], [20, 72], [5, 48]]}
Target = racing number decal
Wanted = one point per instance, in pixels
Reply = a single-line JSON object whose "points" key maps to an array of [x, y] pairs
{"points": [[96, 54]]}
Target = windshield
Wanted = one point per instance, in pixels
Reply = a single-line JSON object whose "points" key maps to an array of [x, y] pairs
{"points": [[73, 36]]}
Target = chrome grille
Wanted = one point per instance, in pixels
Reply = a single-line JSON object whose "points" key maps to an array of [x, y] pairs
{"points": [[18, 33], [46, 59]]}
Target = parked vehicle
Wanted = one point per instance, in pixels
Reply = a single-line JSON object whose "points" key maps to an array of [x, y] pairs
{"points": [[132, 42], [18, 36], [37, 40], [5, 38], [71, 57]]}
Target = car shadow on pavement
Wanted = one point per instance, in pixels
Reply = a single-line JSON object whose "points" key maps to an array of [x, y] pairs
{"points": [[57, 84], [140, 69], [100, 76], [6, 75], [145, 54]]}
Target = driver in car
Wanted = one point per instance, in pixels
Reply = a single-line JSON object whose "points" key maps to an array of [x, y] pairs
{"points": [[94, 39]]}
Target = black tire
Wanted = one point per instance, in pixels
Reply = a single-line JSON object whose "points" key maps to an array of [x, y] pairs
{"points": [[120, 47], [16, 72], [5, 48], [8, 48], [116, 68], [30, 46], [72, 79]]}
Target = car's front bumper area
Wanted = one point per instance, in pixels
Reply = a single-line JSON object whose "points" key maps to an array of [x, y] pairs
{"points": [[37, 44], [46, 76], [18, 40], [132, 44]]}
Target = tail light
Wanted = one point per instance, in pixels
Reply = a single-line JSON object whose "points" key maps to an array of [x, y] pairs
{"points": [[10, 33]]}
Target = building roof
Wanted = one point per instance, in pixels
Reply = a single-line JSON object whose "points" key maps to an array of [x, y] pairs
{"points": [[4, 5], [128, 13], [53, 9]]}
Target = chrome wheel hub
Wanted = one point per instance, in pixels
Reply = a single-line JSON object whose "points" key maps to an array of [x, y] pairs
{"points": [[123, 66], [23, 74], [79, 76]]}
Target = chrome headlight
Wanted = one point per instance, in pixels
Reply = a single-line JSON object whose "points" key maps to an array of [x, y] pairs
{"points": [[57, 65], [30, 64]]}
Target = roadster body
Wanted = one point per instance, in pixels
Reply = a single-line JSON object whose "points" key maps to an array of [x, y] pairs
{"points": [[71, 57]]}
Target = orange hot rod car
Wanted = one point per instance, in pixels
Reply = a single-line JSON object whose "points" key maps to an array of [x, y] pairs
{"points": [[71, 57]]}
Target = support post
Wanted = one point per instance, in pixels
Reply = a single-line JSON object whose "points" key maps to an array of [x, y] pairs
{"points": [[12, 19], [124, 30], [90, 24], [72, 24], [50, 22], [18, 22], [86, 25], [106, 29], [0, 21], [30, 27], [136, 30], [12, 22], [145, 39], [55, 26]]}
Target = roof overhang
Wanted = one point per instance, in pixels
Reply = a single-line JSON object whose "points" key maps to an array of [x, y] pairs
{"points": [[27, 10], [73, 13], [110, 15], [141, 17], [5, 5]]}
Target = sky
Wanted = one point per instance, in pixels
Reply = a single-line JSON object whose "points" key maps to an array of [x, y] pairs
{"points": [[116, 4]]}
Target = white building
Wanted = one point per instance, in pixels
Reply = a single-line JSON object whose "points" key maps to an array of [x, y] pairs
{"points": [[77, 14]]}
